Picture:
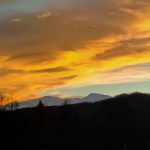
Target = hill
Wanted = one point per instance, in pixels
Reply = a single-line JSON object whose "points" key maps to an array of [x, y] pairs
{"points": [[119, 123]]}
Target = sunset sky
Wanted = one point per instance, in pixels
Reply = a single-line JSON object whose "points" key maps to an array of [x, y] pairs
{"points": [[74, 47]]}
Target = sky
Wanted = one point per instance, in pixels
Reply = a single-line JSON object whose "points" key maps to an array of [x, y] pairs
{"points": [[74, 47]]}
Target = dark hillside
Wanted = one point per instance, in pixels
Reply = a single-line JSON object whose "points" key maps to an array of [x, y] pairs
{"points": [[120, 123]]}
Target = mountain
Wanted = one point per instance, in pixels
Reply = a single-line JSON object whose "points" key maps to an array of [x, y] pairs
{"points": [[74, 100], [56, 101], [94, 97], [46, 100]]}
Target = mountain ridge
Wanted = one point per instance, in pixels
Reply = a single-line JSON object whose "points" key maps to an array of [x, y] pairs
{"points": [[56, 101]]}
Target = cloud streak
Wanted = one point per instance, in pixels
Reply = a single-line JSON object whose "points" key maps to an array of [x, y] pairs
{"points": [[44, 15]]}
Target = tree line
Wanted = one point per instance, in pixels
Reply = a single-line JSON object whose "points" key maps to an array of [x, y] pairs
{"points": [[7, 103]]}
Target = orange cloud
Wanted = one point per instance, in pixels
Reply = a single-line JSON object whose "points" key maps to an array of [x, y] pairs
{"points": [[81, 46]]}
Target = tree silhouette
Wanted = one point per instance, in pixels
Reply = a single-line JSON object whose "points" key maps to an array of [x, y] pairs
{"points": [[3, 100], [13, 106], [65, 102], [40, 105]]}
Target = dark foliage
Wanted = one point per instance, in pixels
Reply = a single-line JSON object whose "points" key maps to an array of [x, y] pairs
{"points": [[120, 123]]}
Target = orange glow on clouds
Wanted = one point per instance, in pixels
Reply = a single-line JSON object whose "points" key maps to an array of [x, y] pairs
{"points": [[74, 46]]}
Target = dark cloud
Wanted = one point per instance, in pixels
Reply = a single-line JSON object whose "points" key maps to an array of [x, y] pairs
{"points": [[68, 77], [126, 69], [71, 30], [4, 71], [125, 48], [32, 57], [51, 70]]}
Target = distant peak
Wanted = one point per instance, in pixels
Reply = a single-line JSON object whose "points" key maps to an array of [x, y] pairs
{"points": [[94, 97], [96, 94]]}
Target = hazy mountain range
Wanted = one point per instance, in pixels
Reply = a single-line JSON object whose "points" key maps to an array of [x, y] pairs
{"points": [[56, 101]]}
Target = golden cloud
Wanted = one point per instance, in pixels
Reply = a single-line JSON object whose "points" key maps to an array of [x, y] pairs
{"points": [[79, 46]]}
